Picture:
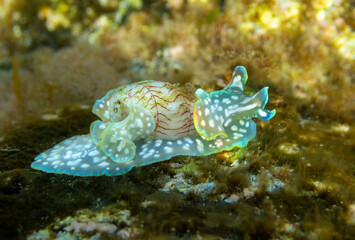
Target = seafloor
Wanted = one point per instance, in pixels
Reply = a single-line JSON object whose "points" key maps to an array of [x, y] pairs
{"points": [[295, 180]]}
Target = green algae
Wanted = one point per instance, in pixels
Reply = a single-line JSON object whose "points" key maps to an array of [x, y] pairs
{"points": [[307, 209]]}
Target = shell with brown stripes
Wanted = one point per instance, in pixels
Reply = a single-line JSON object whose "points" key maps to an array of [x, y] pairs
{"points": [[171, 107]]}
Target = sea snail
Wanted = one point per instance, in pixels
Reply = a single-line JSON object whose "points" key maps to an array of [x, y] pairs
{"points": [[151, 121]]}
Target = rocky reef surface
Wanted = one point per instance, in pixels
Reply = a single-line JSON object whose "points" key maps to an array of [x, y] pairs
{"points": [[295, 180]]}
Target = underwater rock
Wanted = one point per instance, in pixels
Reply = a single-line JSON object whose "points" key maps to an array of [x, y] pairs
{"points": [[150, 121], [234, 198], [182, 185], [88, 227], [95, 224]]}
